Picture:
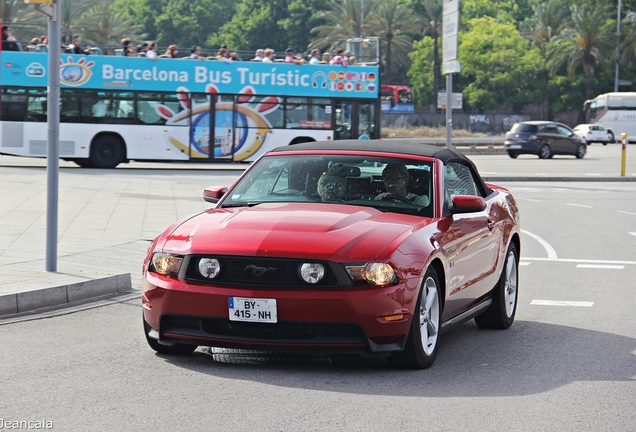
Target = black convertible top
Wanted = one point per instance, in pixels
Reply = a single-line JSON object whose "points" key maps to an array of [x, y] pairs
{"points": [[410, 147]]}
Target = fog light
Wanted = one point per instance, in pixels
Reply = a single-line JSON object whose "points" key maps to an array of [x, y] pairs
{"points": [[312, 272], [209, 267]]}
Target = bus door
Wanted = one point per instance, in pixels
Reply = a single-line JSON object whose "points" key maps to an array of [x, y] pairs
{"points": [[201, 127], [355, 119]]}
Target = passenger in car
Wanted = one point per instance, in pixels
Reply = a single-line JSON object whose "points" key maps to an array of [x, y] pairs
{"points": [[331, 187], [395, 177]]}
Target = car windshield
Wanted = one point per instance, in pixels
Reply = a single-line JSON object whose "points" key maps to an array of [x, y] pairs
{"points": [[524, 127], [387, 184]]}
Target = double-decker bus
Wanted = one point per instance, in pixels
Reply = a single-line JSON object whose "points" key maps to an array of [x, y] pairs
{"points": [[396, 99], [615, 111], [116, 109]]}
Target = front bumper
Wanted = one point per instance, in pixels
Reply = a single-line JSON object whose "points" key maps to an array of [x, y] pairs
{"points": [[350, 320]]}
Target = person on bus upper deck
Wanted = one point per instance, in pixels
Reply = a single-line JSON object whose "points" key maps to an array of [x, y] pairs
{"points": [[315, 57], [151, 53], [195, 53], [326, 58], [290, 57], [76, 46], [224, 55], [172, 51], [125, 44], [339, 59], [259, 55], [9, 43], [234, 56], [268, 56]]}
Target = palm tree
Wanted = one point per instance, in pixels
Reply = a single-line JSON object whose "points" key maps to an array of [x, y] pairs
{"points": [[588, 38], [389, 20], [431, 12], [24, 20], [71, 12], [551, 17], [104, 24], [344, 19]]}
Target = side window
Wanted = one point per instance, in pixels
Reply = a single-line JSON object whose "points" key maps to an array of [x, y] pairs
{"points": [[563, 131], [458, 180]]}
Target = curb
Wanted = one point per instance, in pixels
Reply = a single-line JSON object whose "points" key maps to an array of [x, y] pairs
{"points": [[35, 301]]}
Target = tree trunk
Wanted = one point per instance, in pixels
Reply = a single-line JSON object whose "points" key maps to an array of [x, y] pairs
{"points": [[387, 58], [588, 67]]}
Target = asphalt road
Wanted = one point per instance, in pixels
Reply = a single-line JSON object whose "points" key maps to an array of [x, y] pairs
{"points": [[568, 362]]}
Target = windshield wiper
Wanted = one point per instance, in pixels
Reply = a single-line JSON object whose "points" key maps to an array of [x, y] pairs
{"points": [[247, 204]]}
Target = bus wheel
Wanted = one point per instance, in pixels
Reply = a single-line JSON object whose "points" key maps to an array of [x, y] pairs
{"points": [[107, 151]]}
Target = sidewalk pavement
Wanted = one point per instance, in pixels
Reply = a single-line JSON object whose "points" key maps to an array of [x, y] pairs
{"points": [[106, 220]]}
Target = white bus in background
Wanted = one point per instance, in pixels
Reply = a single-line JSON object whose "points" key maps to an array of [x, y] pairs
{"points": [[615, 111]]}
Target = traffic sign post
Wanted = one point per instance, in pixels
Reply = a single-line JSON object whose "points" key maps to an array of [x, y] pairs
{"points": [[450, 64]]}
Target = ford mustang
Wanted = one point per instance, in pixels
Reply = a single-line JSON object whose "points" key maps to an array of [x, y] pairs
{"points": [[365, 247]]}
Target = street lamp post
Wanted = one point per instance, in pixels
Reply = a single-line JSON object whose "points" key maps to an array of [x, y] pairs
{"points": [[618, 41]]}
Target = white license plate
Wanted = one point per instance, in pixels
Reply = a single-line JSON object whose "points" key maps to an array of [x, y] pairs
{"points": [[514, 146], [252, 309]]}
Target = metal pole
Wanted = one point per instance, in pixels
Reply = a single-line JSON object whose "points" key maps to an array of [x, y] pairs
{"points": [[618, 41], [53, 147], [449, 109]]}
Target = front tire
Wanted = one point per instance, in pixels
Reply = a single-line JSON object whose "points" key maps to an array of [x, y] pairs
{"points": [[513, 155], [423, 340], [545, 152], [611, 137], [501, 313]]}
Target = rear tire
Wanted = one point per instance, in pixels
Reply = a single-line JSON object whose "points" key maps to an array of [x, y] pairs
{"points": [[166, 349], [513, 155], [107, 151], [611, 137], [545, 152], [501, 313], [423, 340]]}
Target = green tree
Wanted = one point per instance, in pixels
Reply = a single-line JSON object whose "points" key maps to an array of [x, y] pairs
{"points": [[276, 24], [589, 38], [550, 17], [391, 20], [430, 12], [342, 20], [422, 74], [499, 69], [71, 15], [25, 21], [104, 24]]}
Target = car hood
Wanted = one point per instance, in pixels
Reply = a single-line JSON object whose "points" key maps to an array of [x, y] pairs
{"points": [[293, 230]]}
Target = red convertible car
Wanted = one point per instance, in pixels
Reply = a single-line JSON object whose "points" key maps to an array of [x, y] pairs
{"points": [[348, 247]]}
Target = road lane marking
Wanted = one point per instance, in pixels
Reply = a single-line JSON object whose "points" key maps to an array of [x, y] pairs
{"points": [[529, 199], [561, 303], [584, 261], [624, 212], [593, 174], [524, 263], [633, 233], [600, 266], [549, 249], [579, 205]]}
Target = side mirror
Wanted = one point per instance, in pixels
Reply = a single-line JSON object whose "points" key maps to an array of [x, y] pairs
{"points": [[213, 194], [467, 204]]}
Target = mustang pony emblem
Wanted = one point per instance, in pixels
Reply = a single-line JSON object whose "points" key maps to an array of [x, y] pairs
{"points": [[258, 271]]}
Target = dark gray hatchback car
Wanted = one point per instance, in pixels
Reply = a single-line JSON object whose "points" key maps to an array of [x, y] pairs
{"points": [[544, 139]]}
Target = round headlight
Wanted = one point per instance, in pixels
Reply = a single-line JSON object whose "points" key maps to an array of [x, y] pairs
{"points": [[379, 273], [312, 272], [209, 267]]}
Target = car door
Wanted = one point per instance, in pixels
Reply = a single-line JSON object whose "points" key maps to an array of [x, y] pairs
{"points": [[474, 248], [568, 140]]}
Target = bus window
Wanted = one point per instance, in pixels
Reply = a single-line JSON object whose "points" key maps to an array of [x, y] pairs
{"points": [[366, 125], [148, 102], [274, 111], [37, 108], [69, 106]]}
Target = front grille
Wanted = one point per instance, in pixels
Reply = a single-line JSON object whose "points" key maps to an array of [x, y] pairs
{"points": [[281, 332], [267, 272]]}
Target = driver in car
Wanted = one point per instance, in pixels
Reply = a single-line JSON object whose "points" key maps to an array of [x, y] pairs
{"points": [[395, 177], [330, 187]]}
